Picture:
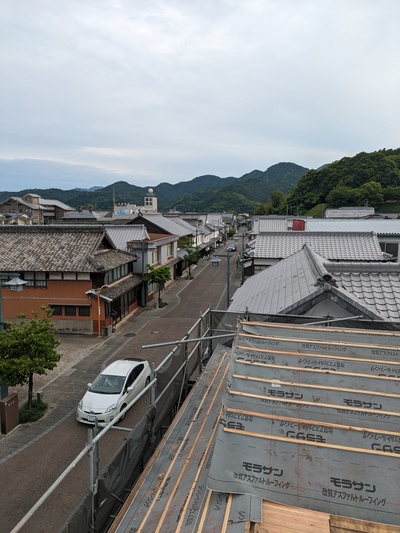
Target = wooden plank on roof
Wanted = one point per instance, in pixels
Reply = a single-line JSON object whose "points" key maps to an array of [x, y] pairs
{"points": [[279, 518], [340, 524]]}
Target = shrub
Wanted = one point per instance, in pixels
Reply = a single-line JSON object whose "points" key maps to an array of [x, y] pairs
{"points": [[33, 414]]}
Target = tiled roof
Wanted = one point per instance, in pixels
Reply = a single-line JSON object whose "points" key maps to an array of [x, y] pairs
{"points": [[108, 259], [56, 203], [185, 225], [376, 284], [349, 212], [276, 288], [333, 246], [24, 202], [374, 289], [49, 248], [266, 224], [378, 226], [119, 287], [83, 214], [121, 235], [167, 224]]}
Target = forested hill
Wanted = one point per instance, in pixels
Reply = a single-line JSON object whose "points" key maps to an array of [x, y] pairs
{"points": [[203, 193], [243, 195], [372, 178]]}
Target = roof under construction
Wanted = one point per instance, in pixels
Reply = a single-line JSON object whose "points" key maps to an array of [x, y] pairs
{"points": [[294, 428]]}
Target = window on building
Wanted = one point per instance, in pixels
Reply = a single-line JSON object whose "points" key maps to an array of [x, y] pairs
{"points": [[35, 280], [154, 257], [84, 310], [57, 310], [390, 248], [118, 272], [70, 310], [169, 249]]}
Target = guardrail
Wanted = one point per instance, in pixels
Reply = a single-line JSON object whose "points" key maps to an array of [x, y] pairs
{"points": [[187, 358]]}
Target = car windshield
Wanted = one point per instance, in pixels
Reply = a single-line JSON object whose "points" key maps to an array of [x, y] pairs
{"points": [[105, 384]]}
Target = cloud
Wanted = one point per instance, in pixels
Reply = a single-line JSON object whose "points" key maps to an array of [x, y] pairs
{"points": [[173, 89]]}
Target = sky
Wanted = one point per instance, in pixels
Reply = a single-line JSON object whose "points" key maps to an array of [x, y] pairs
{"points": [[153, 91]]}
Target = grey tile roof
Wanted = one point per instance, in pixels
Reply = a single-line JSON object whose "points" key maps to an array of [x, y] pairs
{"points": [[83, 214], [108, 259], [278, 287], [167, 224], [185, 225], [49, 248], [372, 288], [378, 226], [349, 212], [267, 224], [57, 203], [24, 202], [376, 284], [119, 287], [333, 246], [121, 235]]}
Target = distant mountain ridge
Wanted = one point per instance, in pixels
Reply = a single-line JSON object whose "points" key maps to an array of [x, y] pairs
{"points": [[239, 194]]}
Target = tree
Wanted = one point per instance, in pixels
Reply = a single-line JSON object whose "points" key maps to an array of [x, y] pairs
{"points": [[192, 254], [261, 210], [160, 276], [370, 193], [341, 195], [276, 204], [28, 348]]}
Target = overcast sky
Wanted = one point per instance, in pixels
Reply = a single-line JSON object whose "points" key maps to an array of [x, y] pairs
{"points": [[167, 90]]}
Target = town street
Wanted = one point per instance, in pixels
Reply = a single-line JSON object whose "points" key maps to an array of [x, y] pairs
{"points": [[30, 463]]}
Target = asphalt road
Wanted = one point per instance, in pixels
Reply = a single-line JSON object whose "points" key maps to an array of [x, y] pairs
{"points": [[27, 474]]}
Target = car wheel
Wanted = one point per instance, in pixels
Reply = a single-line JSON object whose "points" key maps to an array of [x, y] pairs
{"points": [[122, 408]]}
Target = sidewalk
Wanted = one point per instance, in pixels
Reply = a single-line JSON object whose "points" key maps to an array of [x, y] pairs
{"points": [[83, 357]]}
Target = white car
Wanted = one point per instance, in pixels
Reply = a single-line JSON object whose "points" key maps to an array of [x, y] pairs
{"points": [[113, 389]]}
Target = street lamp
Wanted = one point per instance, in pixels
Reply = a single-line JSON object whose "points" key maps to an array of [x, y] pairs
{"points": [[215, 261], [236, 238], [16, 284]]}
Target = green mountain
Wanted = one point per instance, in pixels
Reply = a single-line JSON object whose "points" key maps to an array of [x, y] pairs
{"points": [[242, 195], [199, 194], [342, 182]]}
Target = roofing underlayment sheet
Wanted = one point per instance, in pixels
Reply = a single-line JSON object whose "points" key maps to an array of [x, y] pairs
{"points": [[311, 419]]}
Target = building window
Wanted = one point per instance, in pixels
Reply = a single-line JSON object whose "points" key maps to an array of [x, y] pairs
{"points": [[57, 310], [70, 310], [390, 248], [118, 272], [169, 249], [154, 257], [84, 310], [35, 280]]}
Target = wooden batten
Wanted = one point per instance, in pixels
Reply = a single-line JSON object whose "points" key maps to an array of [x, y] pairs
{"points": [[278, 518]]}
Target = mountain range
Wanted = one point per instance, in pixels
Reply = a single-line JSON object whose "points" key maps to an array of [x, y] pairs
{"points": [[242, 194]]}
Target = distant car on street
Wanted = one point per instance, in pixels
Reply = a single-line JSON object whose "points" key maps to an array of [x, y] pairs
{"points": [[113, 389], [231, 248]]}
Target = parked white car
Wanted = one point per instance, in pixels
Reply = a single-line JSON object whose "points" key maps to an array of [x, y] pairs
{"points": [[113, 389]]}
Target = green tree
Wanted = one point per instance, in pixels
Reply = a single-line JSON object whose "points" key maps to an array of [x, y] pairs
{"points": [[160, 276], [277, 203], [28, 348], [341, 196], [192, 251], [261, 210], [370, 193], [391, 194]]}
